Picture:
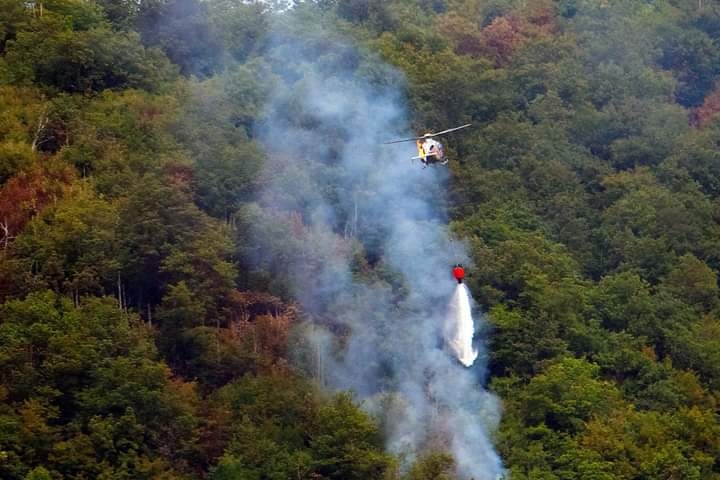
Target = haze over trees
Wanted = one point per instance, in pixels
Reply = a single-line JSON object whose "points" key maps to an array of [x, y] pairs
{"points": [[142, 338]]}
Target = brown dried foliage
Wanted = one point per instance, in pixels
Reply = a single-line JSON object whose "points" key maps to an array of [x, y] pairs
{"points": [[704, 114], [499, 40], [26, 194], [261, 321]]}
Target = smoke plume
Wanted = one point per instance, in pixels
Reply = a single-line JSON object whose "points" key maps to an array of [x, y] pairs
{"points": [[360, 235]]}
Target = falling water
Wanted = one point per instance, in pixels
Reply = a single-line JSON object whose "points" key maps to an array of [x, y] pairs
{"points": [[459, 328]]}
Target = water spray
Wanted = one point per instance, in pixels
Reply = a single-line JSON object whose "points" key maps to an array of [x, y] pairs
{"points": [[459, 327]]}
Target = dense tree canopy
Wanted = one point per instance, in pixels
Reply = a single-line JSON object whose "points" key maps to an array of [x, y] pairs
{"points": [[143, 335]]}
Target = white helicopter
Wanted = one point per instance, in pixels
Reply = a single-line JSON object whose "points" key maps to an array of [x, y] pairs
{"points": [[430, 151]]}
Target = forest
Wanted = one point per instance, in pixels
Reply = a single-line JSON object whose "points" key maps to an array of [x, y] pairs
{"points": [[157, 241]]}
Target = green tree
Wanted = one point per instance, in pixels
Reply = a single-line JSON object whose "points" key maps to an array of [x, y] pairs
{"points": [[693, 282], [567, 395], [72, 247], [75, 60], [434, 466], [85, 394], [163, 234], [283, 429]]}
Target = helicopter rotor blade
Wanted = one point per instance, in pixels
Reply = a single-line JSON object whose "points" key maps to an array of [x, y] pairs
{"points": [[450, 130], [403, 140], [430, 135]]}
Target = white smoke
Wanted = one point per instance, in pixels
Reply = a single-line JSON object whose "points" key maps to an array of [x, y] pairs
{"points": [[459, 328], [332, 196]]}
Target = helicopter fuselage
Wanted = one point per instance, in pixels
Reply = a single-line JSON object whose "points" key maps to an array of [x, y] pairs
{"points": [[430, 151]]}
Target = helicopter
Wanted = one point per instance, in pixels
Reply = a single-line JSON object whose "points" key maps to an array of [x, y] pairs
{"points": [[430, 151]]}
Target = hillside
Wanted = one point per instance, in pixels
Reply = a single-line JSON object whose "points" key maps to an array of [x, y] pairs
{"points": [[212, 267]]}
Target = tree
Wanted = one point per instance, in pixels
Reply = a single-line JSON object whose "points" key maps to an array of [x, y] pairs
{"points": [[434, 466], [242, 27], [622, 301], [85, 395], [27, 194], [13, 18], [182, 30], [55, 56], [72, 247], [640, 443], [567, 395], [648, 225], [705, 113], [692, 56], [159, 227], [283, 429], [693, 282], [217, 119]]}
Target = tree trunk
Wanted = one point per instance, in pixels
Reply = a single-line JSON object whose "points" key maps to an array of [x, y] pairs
{"points": [[5, 229], [42, 122], [121, 293], [217, 338]]}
